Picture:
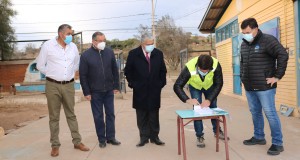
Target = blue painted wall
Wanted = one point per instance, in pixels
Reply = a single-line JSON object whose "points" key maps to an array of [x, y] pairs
{"points": [[39, 88]]}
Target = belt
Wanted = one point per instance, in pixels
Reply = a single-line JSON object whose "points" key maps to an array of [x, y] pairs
{"points": [[59, 82]]}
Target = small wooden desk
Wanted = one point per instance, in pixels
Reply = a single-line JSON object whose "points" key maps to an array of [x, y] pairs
{"points": [[192, 116]]}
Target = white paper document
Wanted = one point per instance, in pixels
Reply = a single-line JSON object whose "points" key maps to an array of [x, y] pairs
{"points": [[218, 109], [205, 111]]}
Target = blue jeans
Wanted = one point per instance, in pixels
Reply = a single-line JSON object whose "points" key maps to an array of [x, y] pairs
{"points": [[106, 99], [197, 94], [264, 100]]}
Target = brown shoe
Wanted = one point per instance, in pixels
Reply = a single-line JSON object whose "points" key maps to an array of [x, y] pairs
{"points": [[81, 147], [55, 151]]}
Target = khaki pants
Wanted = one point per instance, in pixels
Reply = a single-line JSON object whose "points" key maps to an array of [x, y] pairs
{"points": [[57, 95]]}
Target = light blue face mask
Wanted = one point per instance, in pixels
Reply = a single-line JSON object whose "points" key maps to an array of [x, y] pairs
{"points": [[68, 39], [202, 73], [248, 37], [149, 48]]}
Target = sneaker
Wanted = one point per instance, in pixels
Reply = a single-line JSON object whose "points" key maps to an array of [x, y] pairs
{"points": [[200, 142], [275, 149], [222, 136], [254, 141]]}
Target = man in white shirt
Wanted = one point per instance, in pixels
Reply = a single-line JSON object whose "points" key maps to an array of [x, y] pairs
{"points": [[58, 61]]}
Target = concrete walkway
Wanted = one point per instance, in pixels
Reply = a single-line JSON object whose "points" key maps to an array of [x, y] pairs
{"points": [[32, 142]]}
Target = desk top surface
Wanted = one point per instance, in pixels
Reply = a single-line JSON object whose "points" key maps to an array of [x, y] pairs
{"points": [[191, 114]]}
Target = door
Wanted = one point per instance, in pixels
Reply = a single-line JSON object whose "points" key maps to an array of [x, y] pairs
{"points": [[237, 87]]}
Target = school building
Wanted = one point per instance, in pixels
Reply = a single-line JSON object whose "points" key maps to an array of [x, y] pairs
{"points": [[279, 18]]}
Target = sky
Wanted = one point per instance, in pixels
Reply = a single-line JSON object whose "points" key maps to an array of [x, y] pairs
{"points": [[117, 19]]}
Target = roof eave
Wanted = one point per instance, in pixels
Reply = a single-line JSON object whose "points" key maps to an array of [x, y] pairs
{"points": [[212, 29], [205, 15]]}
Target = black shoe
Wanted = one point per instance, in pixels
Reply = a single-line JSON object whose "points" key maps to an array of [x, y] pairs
{"points": [[113, 142], [275, 150], [254, 141], [102, 144], [157, 141], [142, 143]]}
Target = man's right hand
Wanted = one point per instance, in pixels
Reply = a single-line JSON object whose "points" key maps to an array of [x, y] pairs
{"points": [[192, 102], [88, 97]]}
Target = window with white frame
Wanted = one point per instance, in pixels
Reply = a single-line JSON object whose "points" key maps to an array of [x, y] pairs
{"points": [[227, 31]]}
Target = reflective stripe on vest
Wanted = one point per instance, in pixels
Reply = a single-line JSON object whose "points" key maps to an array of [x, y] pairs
{"points": [[195, 79]]}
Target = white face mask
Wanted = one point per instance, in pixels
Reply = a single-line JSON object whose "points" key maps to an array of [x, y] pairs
{"points": [[202, 73], [248, 37], [101, 45], [149, 48]]}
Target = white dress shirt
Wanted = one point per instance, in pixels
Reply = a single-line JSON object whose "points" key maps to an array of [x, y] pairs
{"points": [[56, 62], [149, 53]]}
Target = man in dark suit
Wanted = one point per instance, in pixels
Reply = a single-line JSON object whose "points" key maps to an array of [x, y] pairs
{"points": [[99, 78], [146, 74]]}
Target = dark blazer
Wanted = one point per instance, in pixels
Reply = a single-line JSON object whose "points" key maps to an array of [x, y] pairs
{"points": [[98, 71], [146, 86]]}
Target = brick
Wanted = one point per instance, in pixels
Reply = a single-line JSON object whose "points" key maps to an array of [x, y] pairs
{"points": [[10, 74]]}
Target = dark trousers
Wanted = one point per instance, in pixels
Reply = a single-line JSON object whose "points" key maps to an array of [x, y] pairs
{"points": [[148, 123], [106, 99], [197, 94]]}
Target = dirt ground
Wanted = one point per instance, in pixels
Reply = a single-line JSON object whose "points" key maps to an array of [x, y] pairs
{"points": [[19, 110], [12, 115]]}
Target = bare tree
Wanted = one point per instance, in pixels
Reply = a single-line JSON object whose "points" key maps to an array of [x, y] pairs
{"points": [[171, 39], [143, 30], [77, 41], [30, 49]]}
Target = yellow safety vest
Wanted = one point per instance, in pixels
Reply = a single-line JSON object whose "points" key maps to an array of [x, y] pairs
{"points": [[195, 79]]}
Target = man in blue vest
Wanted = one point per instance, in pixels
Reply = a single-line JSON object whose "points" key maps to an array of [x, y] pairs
{"points": [[203, 75]]}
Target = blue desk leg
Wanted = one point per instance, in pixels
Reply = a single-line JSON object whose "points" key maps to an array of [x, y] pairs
{"points": [[178, 135]]}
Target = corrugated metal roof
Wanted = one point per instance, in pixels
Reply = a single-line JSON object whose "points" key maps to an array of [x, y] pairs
{"points": [[212, 15]]}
